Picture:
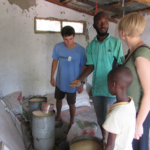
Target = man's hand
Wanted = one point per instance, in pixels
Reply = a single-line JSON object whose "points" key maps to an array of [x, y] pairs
{"points": [[52, 82], [75, 84], [80, 89], [138, 131]]}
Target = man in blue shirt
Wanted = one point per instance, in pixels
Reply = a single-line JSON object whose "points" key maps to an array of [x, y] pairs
{"points": [[71, 57]]}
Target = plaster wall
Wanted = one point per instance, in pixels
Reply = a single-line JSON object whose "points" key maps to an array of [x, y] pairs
{"points": [[25, 57]]}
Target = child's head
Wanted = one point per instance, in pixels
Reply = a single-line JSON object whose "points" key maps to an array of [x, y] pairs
{"points": [[119, 78]]}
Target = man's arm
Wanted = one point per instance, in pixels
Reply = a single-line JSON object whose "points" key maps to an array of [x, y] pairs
{"points": [[84, 74], [111, 141], [54, 66]]}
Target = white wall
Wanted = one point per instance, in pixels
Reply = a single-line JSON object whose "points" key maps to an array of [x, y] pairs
{"points": [[25, 57], [124, 46], [146, 34]]}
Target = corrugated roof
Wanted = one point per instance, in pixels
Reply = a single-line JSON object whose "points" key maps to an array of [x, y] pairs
{"points": [[113, 8]]}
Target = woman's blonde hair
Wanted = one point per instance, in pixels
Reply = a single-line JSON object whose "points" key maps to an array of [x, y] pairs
{"points": [[132, 24]]}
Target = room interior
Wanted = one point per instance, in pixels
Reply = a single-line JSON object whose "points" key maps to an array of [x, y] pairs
{"points": [[26, 56]]}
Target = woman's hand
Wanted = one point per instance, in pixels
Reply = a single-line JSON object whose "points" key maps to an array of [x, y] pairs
{"points": [[138, 131]]}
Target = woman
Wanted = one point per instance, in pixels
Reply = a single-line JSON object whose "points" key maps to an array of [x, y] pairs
{"points": [[138, 60]]}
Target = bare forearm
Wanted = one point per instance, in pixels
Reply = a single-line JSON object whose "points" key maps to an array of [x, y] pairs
{"points": [[111, 141], [82, 70], [144, 109], [54, 66], [86, 72], [109, 147], [144, 75]]}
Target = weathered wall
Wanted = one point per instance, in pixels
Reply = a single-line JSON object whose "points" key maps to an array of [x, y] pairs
{"points": [[25, 57], [23, 4]]}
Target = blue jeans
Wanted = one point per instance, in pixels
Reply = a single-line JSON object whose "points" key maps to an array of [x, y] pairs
{"points": [[101, 107]]}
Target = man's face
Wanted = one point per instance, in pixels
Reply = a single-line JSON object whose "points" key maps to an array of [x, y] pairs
{"points": [[69, 40], [101, 25]]}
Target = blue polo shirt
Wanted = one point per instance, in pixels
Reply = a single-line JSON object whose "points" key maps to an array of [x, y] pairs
{"points": [[69, 67], [104, 56]]}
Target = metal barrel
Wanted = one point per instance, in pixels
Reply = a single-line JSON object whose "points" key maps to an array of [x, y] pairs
{"points": [[35, 104], [44, 144], [43, 130], [43, 125], [84, 138]]}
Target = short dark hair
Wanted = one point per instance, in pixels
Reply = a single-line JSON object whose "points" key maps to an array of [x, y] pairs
{"points": [[67, 31], [122, 75], [99, 13]]}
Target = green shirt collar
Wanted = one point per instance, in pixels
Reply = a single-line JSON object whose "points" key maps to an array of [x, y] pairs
{"points": [[104, 39]]}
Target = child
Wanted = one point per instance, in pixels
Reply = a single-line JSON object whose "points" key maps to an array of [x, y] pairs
{"points": [[121, 119]]}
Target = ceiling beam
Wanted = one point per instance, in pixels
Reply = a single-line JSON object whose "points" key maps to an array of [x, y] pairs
{"points": [[117, 16], [101, 10], [146, 2], [142, 10], [100, 6], [109, 12], [138, 11], [70, 7], [66, 1], [118, 4], [77, 9]]}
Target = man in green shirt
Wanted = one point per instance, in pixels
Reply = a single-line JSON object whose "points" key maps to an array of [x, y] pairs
{"points": [[103, 53]]}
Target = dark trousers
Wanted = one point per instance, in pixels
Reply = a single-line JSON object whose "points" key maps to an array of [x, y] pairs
{"points": [[143, 142]]}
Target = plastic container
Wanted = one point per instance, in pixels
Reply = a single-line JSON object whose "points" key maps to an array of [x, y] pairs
{"points": [[47, 108]]}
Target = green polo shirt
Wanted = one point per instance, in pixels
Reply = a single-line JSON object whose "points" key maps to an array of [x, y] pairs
{"points": [[103, 55]]}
